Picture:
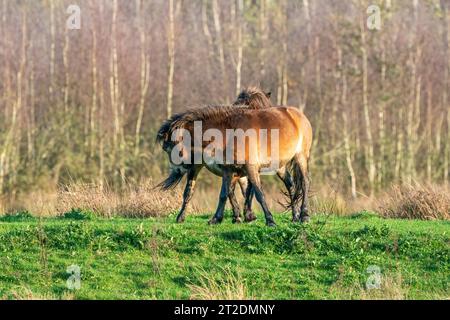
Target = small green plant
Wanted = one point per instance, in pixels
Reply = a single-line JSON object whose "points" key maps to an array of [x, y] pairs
{"points": [[364, 214], [17, 216], [79, 214]]}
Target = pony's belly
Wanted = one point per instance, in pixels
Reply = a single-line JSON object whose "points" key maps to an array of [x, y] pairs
{"points": [[215, 168], [180, 168]]}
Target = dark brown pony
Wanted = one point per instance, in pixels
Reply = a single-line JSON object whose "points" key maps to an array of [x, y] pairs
{"points": [[295, 137], [252, 97]]}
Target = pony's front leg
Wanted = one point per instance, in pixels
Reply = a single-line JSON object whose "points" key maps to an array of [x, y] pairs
{"points": [[254, 179], [224, 192], [247, 193], [188, 192]]}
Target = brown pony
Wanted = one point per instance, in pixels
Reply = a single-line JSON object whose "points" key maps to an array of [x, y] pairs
{"points": [[294, 138], [252, 97]]}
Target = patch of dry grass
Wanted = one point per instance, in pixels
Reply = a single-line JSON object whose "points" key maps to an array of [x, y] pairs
{"points": [[415, 201], [101, 201], [392, 287], [25, 293], [40, 203], [231, 287], [138, 201], [3, 206], [329, 203]]}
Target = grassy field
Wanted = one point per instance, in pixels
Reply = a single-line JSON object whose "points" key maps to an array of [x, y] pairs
{"points": [[330, 258]]}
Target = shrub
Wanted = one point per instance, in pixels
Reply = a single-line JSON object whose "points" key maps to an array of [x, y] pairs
{"points": [[415, 201]]}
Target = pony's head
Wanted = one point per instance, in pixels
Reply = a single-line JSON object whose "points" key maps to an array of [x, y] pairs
{"points": [[163, 137], [254, 98]]}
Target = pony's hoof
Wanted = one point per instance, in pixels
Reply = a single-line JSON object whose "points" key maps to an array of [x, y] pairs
{"points": [[214, 221], [296, 219], [305, 219], [271, 224], [180, 219], [250, 217], [237, 220]]}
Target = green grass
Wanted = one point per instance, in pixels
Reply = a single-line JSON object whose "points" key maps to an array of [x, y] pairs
{"points": [[158, 259]]}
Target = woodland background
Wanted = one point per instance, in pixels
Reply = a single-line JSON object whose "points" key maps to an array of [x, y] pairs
{"points": [[84, 105]]}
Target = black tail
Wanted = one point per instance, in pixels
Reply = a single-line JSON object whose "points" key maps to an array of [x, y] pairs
{"points": [[172, 180], [297, 177]]}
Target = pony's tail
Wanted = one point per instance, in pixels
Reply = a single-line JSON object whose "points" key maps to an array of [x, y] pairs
{"points": [[171, 181], [297, 177]]}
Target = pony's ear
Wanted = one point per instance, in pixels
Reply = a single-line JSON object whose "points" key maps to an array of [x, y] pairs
{"points": [[268, 94]]}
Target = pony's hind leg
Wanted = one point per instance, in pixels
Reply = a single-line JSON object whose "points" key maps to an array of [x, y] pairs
{"points": [[254, 178], [188, 192], [248, 212], [234, 203], [286, 177], [303, 163], [225, 190]]}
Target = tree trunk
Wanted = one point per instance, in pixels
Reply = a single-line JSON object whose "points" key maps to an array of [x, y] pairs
{"points": [[263, 37], [66, 48], [52, 46], [429, 139], [94, 92], [15, 136], [348, 154], [413, 118], [446, 39], [370, 148], [218, 29], [145, 78], [171, 52], [116, 103], [239, 45], [207, 34]]}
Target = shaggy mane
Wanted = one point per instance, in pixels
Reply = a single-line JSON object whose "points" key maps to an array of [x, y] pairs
{"points": [[215, 113]]}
